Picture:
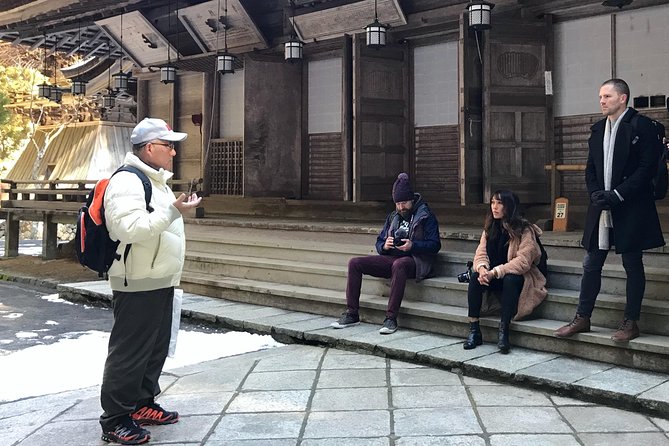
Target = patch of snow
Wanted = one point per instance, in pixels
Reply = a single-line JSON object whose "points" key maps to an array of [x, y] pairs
{"points": [[55, 298], [78, 362]]}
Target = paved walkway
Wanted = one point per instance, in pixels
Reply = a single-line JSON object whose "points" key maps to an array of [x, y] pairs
{"points": [[354, 387], [594, 381], [301, 395]]}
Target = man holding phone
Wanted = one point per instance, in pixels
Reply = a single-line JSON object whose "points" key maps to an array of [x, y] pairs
{"points": [[408, 245]]}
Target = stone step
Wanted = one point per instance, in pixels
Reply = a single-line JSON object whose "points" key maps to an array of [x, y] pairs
{"points": [[204, 235], [649, 352], [446, 290], [563, 274]]}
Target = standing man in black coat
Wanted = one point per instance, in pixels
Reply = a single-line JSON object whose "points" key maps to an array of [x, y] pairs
{"points": [[622, 160]]}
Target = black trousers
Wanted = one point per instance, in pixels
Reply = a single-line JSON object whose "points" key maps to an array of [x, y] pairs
{"points": [[591, 282], [138, 345], [511, 285]]}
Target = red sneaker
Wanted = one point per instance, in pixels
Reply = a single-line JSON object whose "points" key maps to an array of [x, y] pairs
{"points": [[153, 414]]}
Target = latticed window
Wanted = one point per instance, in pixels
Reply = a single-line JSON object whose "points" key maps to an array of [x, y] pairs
{"points": [[227, 167]]}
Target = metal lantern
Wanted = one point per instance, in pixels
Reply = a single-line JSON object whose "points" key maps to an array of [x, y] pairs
{"points": [[44, 91], [79, 87], [479, 14], [56, 94], [120, 81], [293, 49], [225, 63], [168, 74], [376, 34], [108, 100]]}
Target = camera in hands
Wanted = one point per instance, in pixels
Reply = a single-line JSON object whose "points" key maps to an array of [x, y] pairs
{"points": [[467, 275], [400, 233]]}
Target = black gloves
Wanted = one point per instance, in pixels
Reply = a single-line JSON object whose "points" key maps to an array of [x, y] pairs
{"points": [[605, 199]]}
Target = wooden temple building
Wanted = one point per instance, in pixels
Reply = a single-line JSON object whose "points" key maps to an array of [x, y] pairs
{"points": [[316, 107], [463, 109]]}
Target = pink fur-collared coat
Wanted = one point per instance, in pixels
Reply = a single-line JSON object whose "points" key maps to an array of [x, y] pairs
{"points": [[523, 257]]}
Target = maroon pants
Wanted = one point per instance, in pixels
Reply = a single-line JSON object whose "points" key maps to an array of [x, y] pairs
{"points": [[397, 269]]}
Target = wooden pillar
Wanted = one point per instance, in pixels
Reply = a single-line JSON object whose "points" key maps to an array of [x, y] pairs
{"points": [[347, 124], [49, 238], [11, 235], [208, 100], [142, 99]]}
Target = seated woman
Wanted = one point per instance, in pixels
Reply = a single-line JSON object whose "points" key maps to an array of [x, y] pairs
{"points": [[505, 262]]}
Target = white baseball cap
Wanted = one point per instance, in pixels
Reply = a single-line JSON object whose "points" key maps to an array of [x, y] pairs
{"points": [[154, 128]]}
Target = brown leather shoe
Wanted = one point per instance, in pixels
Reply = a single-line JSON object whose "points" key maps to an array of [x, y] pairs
{"points": [[580, 324], [627, 330]]}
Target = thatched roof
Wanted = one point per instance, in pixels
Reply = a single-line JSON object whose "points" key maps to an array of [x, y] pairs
{"points": [[80, 151]]}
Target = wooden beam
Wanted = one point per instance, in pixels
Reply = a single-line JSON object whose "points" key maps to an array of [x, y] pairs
{"points": [[37, 43], [194, 35]]}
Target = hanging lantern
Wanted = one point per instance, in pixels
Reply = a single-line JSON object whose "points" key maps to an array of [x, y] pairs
{"points": [[108, 100], [120, 81], [44, 91], [79, 87], [56, 94], [480, 12], [168, 74], [293, 49], [225, 63], [376, 34]]}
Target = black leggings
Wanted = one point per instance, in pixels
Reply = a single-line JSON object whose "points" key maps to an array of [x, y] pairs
{"points": [[510, 285]]}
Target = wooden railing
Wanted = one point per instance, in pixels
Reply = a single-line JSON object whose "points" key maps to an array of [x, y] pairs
{"points": [[66, 191], [53, 202], [555, 168]]}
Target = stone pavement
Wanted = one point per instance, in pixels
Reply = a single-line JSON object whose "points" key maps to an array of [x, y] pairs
{"points": [[302, 395], [354, 387], [598, 382]]}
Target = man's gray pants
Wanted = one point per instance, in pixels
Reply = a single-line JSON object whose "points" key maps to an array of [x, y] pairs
{"points": [[138, 346]]}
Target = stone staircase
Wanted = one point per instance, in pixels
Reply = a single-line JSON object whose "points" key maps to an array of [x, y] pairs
{"points": [[301, 265]]}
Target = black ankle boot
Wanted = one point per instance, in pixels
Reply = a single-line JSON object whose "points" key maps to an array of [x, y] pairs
{"points": [[503, 336], [474, 337]]}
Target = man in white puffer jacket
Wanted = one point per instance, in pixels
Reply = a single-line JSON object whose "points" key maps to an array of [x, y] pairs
{"points": [[142, 284]]}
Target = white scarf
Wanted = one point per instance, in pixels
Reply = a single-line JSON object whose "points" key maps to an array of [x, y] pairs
{"points": [[605, 219]]}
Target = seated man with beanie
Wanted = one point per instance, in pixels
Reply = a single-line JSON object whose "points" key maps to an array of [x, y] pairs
{"points": [[407, 245]]}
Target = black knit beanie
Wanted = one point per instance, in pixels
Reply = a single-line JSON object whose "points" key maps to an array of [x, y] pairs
{"points": [[402, 188]]}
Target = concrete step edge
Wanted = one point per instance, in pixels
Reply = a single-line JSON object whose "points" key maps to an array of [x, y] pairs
{"points": [[540, 327], [558, 295], [554, 266], [455, 232]]}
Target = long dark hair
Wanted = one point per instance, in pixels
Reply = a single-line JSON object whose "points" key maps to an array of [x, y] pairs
{"points": [[512, 221]]}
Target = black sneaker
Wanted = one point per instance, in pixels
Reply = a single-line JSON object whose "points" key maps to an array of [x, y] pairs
{"points": [[126, 432], [346, 320], [153, 414], [389, 326]]}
